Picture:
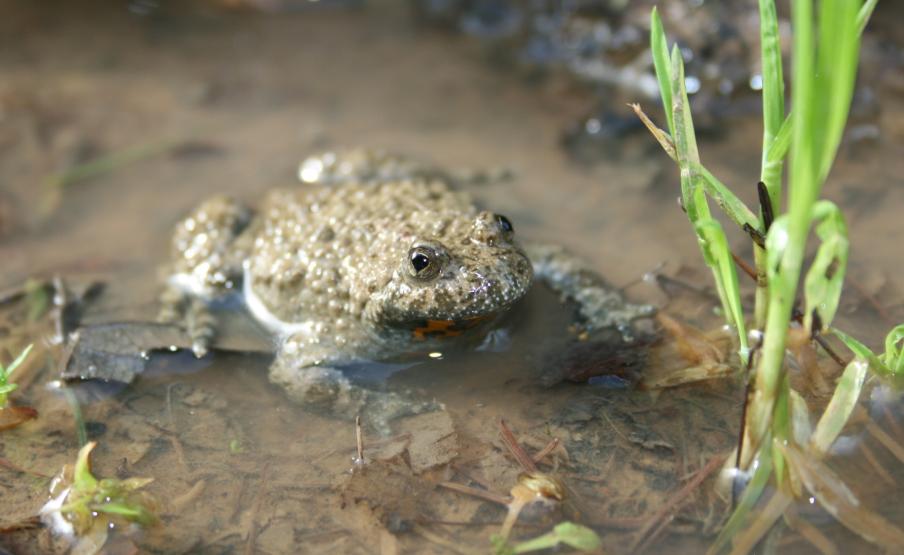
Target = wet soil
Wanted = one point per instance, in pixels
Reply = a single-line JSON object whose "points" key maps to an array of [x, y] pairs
{"points": [[221, 101]]}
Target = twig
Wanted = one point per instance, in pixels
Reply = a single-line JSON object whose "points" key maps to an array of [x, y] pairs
{"points": [[6, 463], [644, 538], [486, 495], [889, 442], [870, 457], [255, 510], [439, 540], [28, 523], [743, 265], [508, 438], [359, 441], [871, 299], [543, 453]]}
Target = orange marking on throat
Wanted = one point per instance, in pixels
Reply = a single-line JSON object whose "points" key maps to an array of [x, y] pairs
{"points": [[445, 328]]}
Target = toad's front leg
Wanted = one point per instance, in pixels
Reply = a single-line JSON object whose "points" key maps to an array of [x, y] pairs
{"points": [[599, 304], [207, 250], [310, 374]]}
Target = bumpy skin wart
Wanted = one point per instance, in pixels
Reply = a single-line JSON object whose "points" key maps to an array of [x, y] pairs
{"points": [[378, 257]]}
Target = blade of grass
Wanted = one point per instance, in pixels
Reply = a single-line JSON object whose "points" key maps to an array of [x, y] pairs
{"points": [[748, 538], [840, 407], [866, 11], [752, 493], [727, 201], [773, 98], [836, 64], [894, 353], [773, 118], [875, 363], [717, 256], [825, 278], [660, 52]]}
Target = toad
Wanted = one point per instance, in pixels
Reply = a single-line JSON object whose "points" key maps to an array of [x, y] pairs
{"points": [[373, 257]]}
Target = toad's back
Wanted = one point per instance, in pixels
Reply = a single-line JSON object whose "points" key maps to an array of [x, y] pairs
{"points": [[322, 252]]}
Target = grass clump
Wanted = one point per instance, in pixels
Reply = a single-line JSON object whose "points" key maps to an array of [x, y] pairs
{"points": [[89, 498], [777, 443]]}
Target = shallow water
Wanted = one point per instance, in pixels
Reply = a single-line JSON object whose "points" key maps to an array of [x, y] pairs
{"points": [[221, 101]]}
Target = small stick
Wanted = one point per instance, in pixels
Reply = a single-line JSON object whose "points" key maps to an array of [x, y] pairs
{"points": [[889, 442], [828, 349], [893, 424], [870, 298], [6, 463], [508, 438], [542, 453], [490, 496], [870, 457], [359, 441], [643, 539], [27, 523], [742, 264], [256, 509]]}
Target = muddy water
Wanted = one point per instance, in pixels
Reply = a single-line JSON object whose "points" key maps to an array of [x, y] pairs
{"points": [[229, 102]]}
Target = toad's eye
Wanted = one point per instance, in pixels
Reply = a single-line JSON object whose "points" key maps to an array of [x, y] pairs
{"points": [[425, 263], [505, 225]]}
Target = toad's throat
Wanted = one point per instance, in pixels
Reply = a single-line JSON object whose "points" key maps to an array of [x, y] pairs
{"points": [[430, 329]]}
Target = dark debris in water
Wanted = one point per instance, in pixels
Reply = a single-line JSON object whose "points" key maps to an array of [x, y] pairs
{"points": [[604, 360], [118, 351]]}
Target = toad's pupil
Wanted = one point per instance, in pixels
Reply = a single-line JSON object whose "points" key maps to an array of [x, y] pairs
{"points": [[419, 261], [504, 223]]}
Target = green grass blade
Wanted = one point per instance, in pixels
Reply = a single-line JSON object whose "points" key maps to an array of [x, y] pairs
{"points": [[875, 363], [748, 501], [660, 52], [840, 407], [17, 362], [866, 11], [780, 144], [717, 255], [894, 353], [825, 278], [773, 97], [839, 46], [727, 201], [692, 195]]}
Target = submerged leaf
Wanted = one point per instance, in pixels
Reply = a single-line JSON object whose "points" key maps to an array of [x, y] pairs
{"points": [[833, 494], [567, 533], [10, 417]]}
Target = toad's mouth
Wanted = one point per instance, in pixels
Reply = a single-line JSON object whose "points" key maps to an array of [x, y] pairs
{"points": [[430, 329]]}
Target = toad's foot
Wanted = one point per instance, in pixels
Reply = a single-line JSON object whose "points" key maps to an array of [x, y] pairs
{"points": [[178, 307], [328, 390], [599, 304]]}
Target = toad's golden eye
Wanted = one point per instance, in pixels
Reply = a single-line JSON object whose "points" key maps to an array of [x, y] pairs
{"points": [[425, 263]]}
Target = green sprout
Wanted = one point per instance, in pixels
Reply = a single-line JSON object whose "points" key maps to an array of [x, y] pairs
{"points": [[7, 387], [90, 497], [777, 440], [567, 533]]}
